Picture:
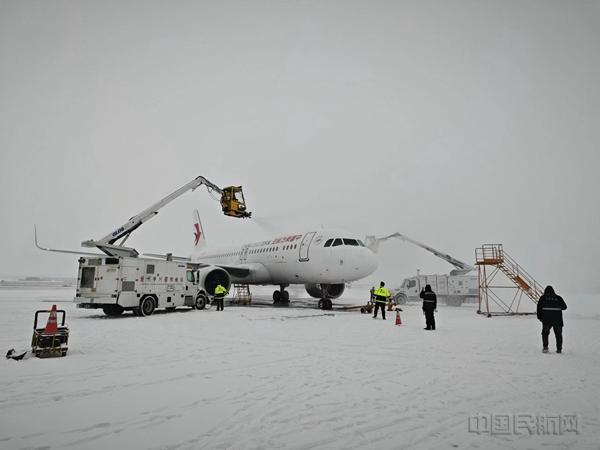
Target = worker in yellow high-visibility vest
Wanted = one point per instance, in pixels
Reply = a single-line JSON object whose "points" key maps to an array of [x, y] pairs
{"points": [[220, 292], [381, 298]]}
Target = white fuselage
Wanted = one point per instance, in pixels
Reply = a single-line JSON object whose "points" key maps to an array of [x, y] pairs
{"points": [[325, 257]]}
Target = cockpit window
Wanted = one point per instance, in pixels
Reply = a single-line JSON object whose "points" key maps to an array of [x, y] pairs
{"points": [[350, 242], [337, 242], [360, 242], [328, 243]]}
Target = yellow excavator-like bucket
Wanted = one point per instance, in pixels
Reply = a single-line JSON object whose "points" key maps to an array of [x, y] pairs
{"points": [[233, 203]]}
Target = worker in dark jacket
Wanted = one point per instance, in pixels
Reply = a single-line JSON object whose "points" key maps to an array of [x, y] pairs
{"points": [[429, 306], [381, 298], [220, 292], [549, 311]]}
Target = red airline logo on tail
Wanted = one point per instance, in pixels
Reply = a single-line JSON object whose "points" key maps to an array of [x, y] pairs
{"points": [[197, 233]]}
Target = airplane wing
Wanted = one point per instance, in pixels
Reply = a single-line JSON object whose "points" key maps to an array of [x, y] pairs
{"points": [[169, 256], [241, 270], [48, 249]]}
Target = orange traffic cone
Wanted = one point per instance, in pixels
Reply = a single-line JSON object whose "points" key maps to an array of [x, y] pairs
{"points": [[398, 320], [51, 326]]}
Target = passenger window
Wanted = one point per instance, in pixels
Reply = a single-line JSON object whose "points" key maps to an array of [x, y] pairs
{"points": [[150, 268], [350, 242], [337, 242], [328, 243]]}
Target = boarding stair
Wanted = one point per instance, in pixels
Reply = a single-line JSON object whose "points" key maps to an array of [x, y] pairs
{"points": [[241, 294], [494, 255]]}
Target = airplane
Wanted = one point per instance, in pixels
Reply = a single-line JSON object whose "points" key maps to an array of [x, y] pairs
{"points": [[323, 261]]}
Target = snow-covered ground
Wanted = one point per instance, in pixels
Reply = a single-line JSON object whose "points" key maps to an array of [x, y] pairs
{"points": [[298, 378]]}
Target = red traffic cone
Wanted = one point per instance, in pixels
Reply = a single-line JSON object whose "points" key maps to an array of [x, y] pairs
{"points": [[51, 326], [398, 320]]}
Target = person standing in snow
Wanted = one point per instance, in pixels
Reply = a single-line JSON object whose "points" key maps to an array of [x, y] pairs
{"points": [[220, 293], [549, 311], [429, 306], [381, 298]]}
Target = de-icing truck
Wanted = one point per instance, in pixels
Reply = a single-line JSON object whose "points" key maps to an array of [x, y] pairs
{"points": [[119, 280], [453, 289], [141, 285]]}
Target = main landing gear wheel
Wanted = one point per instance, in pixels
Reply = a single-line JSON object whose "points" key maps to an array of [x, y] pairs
{"points": [[325, 304]]}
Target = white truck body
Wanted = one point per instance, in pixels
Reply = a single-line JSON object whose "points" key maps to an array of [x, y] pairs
{"points": [[453, 290], [118, 284]]}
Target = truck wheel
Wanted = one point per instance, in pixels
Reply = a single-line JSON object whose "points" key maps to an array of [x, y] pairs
{"points": [[147, 306], [113, 310], [200, 302], [400, 299]]}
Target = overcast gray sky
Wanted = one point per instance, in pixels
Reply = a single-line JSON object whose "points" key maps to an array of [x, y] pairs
{"points": [[456, 123]]}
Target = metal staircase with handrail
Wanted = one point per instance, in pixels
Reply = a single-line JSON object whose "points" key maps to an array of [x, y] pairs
{"points": [[241, 294], [493, 255]]}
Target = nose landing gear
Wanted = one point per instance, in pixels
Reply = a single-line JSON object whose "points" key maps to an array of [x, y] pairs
{"points": [[325, 304], [281, 297]]}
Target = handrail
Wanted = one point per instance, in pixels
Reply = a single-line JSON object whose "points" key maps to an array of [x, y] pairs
{"points": [[494, 254]]}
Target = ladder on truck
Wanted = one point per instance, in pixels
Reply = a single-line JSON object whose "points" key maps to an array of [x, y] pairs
{"points": [[241, 294], [491, 259]]}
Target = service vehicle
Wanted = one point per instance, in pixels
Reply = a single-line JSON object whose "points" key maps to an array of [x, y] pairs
{"points": [[141, 285], [453, 289], [119, 280]]}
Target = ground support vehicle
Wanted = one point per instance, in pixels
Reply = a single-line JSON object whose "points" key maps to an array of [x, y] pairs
{"points": [[141, 285], [453, 290]]}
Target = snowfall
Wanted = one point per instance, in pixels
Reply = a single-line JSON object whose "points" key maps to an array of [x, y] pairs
{"points": [[259, 377]]}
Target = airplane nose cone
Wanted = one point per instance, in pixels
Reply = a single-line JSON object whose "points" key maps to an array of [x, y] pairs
{"points": [[370, 262]]}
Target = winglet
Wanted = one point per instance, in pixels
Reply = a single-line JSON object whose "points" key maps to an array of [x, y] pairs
{"points": [[48, 249]]}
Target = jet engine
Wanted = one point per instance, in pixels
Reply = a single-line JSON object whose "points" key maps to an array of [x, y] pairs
{"points": [[325, 290], [210, 277]]}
